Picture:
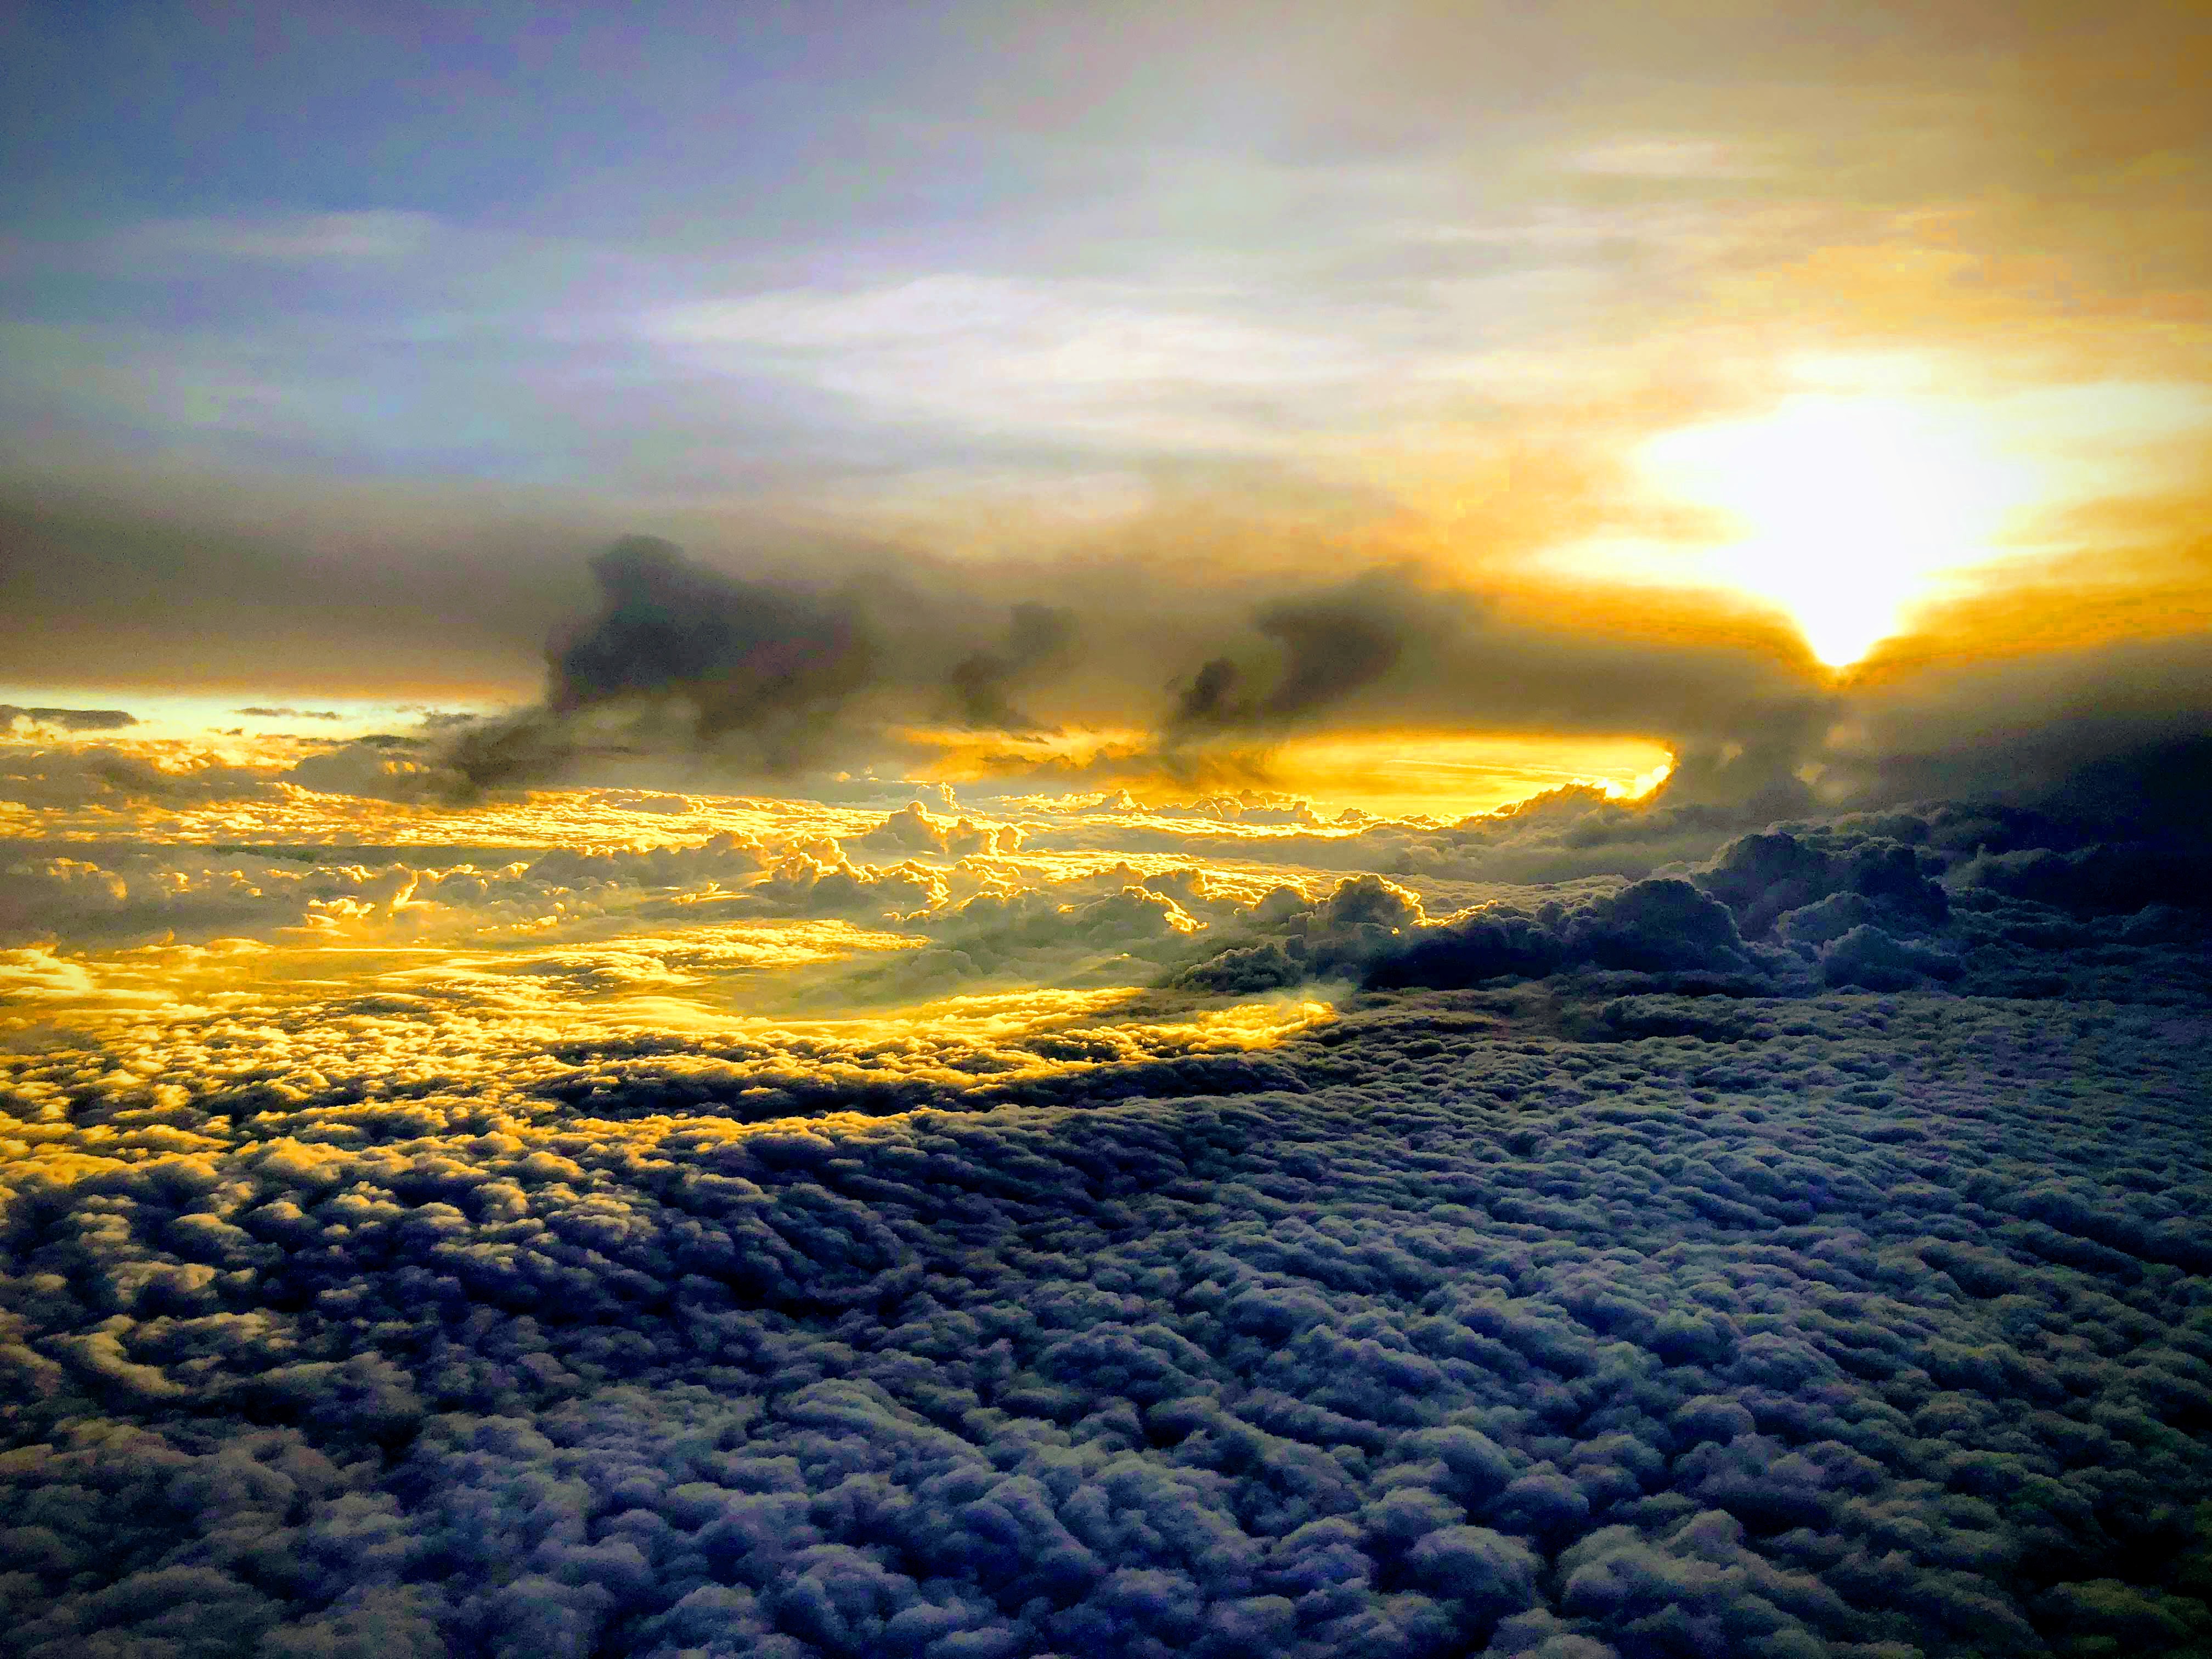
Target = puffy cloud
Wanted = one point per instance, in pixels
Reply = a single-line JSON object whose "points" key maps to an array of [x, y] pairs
{"points": [[1867, 956], [1885, 900], [914, 829], [1372, 930], [1836, 1332], [386, 768], [552, 1227]]}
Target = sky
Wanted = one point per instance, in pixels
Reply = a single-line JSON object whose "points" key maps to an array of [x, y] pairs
{"points": [[1801, 345], [1027, 832]]}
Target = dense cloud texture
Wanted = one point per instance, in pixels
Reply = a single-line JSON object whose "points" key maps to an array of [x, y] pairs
{"points": [[1656, 1325], [1796, 1245]]}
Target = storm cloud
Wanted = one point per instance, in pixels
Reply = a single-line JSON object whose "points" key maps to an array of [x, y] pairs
{"points": [[1331, 644], [1038, 639]]}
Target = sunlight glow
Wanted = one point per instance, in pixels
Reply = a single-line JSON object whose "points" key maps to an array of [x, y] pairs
{"points": [[1450, 776], [1851, 508]]}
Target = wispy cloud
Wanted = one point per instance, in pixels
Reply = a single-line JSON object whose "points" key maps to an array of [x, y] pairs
{"points": [[375, 234], [1658, 158]]}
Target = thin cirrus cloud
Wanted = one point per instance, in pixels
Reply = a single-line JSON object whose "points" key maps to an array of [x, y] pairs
{"points": [[372, 233]]}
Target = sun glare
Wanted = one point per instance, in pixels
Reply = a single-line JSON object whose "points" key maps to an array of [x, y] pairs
{"points": [[1851, 508]]}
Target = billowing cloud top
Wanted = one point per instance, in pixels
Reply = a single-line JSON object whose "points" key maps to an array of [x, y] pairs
{"points": [[1067, 1227]]}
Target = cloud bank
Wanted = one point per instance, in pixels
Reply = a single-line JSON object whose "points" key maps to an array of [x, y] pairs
{"points": [[1844, 1326], [1064, 1227]]}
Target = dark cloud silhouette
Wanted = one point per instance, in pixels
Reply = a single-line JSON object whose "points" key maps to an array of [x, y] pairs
{"points": [[762, 675], [1040, 638], [2162, 789], [1376, 933], [879, 638], [2116, 735], [1331, 646], [1207, 699], [1884, 901], [67, 719], [283, 713], [744, 656]]}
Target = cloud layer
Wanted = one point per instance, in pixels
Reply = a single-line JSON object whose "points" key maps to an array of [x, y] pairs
{"points": [[1801, 1327], [1077, 1228]]}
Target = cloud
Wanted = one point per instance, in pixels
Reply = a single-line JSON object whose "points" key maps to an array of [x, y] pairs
{"points": [[1818, 1331], [1332, 646], [762, 674], [1040, 638], [746, 656], [1887, 902], [372, 235], [594, 1234], [65, 720], [914, 828], [636, 1218], [1193, 672], [2113, 732], [1374, 933]]}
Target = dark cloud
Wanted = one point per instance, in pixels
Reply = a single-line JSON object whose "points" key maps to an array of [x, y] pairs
{"points": [[509, 749], [790, 651], [760, 675], [2162, 789], [67, 719], [1330, 645], [1208, 698], [1374, 933], [744, 656], [1333, 646], [1884, 901], [2116, 735], [1039, 639], [281, 713]]}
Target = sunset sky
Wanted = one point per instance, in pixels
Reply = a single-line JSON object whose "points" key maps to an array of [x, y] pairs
{"points": [[1759, 344], [975, 829]]}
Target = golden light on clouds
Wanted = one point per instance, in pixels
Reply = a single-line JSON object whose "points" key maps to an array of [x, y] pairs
{"points": [[989, 828], [1457, 775], [1430, 773]]}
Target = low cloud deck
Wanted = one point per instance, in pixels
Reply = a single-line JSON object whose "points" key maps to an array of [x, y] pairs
{"points": [[1854, 1324]]}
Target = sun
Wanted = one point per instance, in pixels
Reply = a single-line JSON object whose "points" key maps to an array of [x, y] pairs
{"points": [[1850, 509]]}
